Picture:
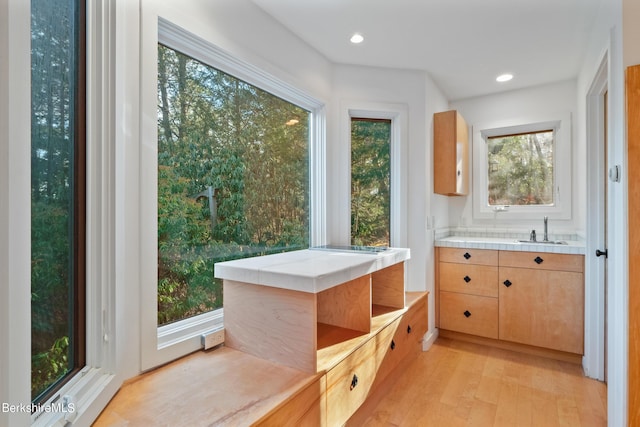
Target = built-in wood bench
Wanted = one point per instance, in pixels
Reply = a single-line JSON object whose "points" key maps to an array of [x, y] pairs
{"points": [[225, 386], [309, 337]]}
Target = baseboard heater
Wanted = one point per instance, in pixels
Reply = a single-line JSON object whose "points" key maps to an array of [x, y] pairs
{"points": [[212, 338]]}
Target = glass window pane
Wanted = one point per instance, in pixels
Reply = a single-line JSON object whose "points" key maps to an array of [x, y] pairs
{"points": [[370, 182], [520, 169], [54, 254], [233, 179]]}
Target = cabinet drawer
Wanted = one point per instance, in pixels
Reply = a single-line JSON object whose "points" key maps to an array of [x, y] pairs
{"points": [[469, 279], [482, 319], [349, 383], [391, 347], [401, 338], [469, 256], [307, 407], [417, 320], [542, 261]]}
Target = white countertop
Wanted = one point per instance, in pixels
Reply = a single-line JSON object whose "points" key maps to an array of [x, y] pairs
{"points": [[308, 270], [510, 244]]}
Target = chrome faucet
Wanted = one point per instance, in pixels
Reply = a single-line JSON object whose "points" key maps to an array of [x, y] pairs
{"points": [[546, 235]]}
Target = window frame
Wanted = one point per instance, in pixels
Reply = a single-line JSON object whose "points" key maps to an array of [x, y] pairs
{"points": [[560, 123], [161, 344], [77, 302], [398, 114], [92, 386]]}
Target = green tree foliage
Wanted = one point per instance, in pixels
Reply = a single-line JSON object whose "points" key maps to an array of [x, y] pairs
{"points": [[521, 169], [252, 148], [52, 150], [370, 182]]}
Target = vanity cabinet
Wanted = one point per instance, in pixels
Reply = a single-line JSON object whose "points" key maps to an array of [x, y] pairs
{"points": [[450, 154], [530, 298], [542, 300], [469, 291]]}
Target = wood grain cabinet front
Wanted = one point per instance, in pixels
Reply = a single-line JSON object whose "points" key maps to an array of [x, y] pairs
{"points": [[401, 338], [469, 314], [468, 284], [542, 305], [450, 154], [306, 408], [531, 298], [349, 383]]}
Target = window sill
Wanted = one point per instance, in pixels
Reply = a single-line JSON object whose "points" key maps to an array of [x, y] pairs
{"points": [[189, 329], [90, 390]]}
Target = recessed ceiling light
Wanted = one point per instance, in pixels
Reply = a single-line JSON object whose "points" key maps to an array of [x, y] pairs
{"points": [[357, 38], [504, 78]]}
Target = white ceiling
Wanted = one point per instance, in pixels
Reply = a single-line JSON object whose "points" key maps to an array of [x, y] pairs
{"points": [[462, 44]]}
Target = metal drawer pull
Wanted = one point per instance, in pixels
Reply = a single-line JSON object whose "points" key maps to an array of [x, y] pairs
{"points": [[466, 255], [467, 313], [467, 279], [354, 382], [507, 283], [538, 260]]}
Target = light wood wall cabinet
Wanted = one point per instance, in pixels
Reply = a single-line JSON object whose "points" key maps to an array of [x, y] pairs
{"points": [[530, 298], [450, 154]]}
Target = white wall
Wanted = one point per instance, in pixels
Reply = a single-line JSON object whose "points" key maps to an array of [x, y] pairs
{"points": [[523, 106], [379, 88]]}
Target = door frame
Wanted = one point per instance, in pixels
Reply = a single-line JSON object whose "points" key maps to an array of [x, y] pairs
{"points": [[593, 361]]}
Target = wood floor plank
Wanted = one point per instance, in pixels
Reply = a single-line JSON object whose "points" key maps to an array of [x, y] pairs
{"points": [[457, 383]]}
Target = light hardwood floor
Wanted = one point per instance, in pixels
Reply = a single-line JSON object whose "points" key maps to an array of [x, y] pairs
{"points": [[462, 384]]}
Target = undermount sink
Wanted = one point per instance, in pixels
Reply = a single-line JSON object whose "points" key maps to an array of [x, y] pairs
{"points": [[542, 242]]}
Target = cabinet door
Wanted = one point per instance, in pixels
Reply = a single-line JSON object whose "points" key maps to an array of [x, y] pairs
{"points": [[543, 308], [450, 154]]}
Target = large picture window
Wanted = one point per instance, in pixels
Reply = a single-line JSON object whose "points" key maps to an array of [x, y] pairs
{"points": [[233, 179], [57, 194]]}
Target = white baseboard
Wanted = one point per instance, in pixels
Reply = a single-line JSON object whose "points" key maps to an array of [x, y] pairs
{"points": [[429, 339]]}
